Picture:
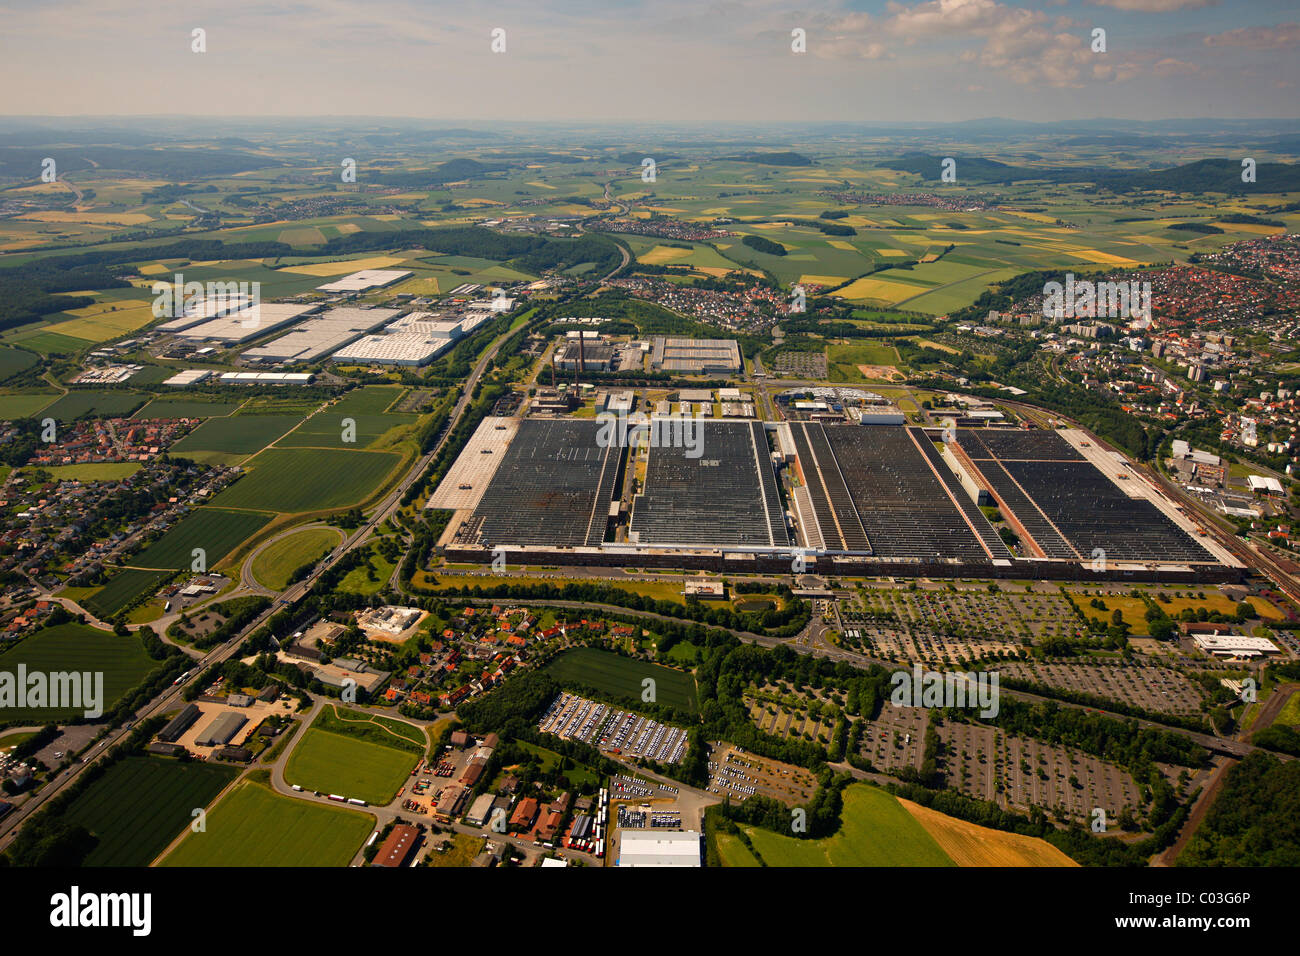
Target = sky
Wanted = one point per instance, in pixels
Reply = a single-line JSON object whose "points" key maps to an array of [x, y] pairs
{"points": [[691, 61]]}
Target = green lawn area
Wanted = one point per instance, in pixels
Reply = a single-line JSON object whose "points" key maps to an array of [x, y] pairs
{"points": [[578, 773], [141, 804], [876, 831], [621, 677], [253, 826], [363, 580], [464, 847], [276, 562], [308, 479], [77, 647], [216, 531], [332, 763], [385, 731], [95, 471], [1289, 716], [734, 852]]}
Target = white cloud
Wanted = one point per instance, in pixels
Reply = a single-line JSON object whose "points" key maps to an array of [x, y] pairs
{"points": [[1155, 6], [1284, 36]]}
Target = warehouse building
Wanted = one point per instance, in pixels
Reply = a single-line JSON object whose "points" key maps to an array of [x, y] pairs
{"points": [[191, 376], [480, 811], [237, 327], [320, 335], [659, 848], [1234, 645], [266, 378], [398, 348], [397, 849], [365, 279], [179, 724], [695, 356], [221, 731]]}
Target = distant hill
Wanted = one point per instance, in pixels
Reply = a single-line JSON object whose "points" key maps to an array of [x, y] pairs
{"points": [[454, 170], [1205, 175], [25, 163]]}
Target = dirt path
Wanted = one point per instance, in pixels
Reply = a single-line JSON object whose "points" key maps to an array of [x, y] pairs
{"points": [[1202, 807]]}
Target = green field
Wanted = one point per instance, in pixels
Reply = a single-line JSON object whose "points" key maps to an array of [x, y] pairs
{"points": [[95, 471], [76, 647], [185, 408], [875, 831], [279, 559], [325, 430], [252, 826], [239, 435], [308, 479], [216, 531], [87, 403], [13, 361], [622, 677], [368, 400], [122, 589], [333, 763], [141, 804], [23, 404]]}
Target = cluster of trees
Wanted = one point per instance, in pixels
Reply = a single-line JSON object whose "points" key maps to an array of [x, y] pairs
{"points": [[526, 252], [1256, 819], [820, 817], [782, 622], [237, 614], [765, 245]]}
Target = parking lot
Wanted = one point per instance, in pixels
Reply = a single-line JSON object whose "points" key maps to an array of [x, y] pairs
{"points": [[612, 730], [736, 773], [1156, 689]]}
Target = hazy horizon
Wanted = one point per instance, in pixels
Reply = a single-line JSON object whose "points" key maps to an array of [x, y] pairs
{"points": [[632, 62]]}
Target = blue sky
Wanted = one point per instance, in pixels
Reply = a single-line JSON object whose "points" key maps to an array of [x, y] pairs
{"points": [[686, 60]]}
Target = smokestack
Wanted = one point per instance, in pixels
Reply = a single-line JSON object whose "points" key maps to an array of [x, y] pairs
{"points": [[552, 368], [582, 355]]}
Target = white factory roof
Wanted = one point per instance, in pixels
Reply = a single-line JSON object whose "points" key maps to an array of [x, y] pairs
{"points": [[191, 376], [659, 848], [365, 279], [413, 348], [1235, 645], [201, 309], [1265, 483], [266, 378], [321, 334], [248, 324]]}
